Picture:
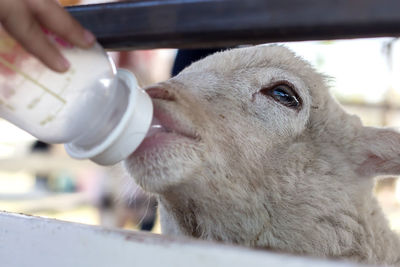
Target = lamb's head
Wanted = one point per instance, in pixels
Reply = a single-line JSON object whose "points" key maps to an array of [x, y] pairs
{"points": [[255, 151]]}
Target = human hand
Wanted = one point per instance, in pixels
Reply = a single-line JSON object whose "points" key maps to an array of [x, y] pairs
{"points": [[24, 20]]}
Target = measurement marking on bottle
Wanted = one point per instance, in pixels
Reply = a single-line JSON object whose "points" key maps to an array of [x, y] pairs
{"points": [[37, 100], [26, 76], [47, 120], [68, 79], [7, 105], [22, 81], [34, 102], [51, 117], [10, 92]]}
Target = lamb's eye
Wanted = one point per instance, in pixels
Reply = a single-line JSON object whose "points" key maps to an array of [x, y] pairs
{"points": [[283, 94]]}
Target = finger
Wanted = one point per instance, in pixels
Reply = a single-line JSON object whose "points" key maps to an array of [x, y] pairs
{"points": [[21, 24], [56, 19]]}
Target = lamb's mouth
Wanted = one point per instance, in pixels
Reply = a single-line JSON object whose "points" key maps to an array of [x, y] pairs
{"points": [[161, 138], [188, 135], [158, 130], [166, 131], [167, 128]]}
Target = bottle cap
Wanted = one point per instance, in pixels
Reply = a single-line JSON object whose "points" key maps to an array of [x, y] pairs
{"points": [[130, 131]]}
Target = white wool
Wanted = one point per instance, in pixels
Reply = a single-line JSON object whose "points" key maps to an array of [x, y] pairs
{"points": [[267, 176]]}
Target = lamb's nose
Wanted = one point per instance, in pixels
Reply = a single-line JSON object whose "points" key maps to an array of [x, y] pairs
{"points": [[160, 93]]}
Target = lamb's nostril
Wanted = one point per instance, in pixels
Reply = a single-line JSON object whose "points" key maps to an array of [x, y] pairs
{"points": [[160, 93]]}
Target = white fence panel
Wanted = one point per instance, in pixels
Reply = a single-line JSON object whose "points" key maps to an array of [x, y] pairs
{"points": [[32, 241]]}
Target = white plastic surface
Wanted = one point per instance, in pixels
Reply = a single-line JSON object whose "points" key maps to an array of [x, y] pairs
{"points": [[27, 241], [98, 113], [129, 132], [54, 107]]}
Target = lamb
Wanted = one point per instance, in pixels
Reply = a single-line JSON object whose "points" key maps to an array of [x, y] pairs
{"points": [[254, 151]]}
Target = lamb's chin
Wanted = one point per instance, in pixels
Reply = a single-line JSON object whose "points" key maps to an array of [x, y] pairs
{"points": [[163, 161]]}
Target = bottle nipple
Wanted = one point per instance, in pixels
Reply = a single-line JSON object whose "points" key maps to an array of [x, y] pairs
{"points": [[155, 127]]}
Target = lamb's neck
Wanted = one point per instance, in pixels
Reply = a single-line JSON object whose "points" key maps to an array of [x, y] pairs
{"points": [[257, 218], [178, 216], [210, 215]]}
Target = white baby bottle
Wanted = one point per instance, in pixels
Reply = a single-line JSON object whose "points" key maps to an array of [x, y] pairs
{"points": [[96, 111]]}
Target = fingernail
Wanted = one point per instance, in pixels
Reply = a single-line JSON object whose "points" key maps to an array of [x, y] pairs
{"points": [[63, 64], [89, 37]]}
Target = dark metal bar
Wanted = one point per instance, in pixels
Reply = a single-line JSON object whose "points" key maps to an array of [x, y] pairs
{"points": [[212, 23]]}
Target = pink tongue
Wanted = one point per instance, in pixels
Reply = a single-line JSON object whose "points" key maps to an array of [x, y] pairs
{"points": [[155, 127]]}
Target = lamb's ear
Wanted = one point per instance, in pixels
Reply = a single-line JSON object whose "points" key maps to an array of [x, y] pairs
{"points": [[379, 152]]}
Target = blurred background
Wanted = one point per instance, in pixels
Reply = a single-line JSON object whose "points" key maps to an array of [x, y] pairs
{"points": [[40, 179]]}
